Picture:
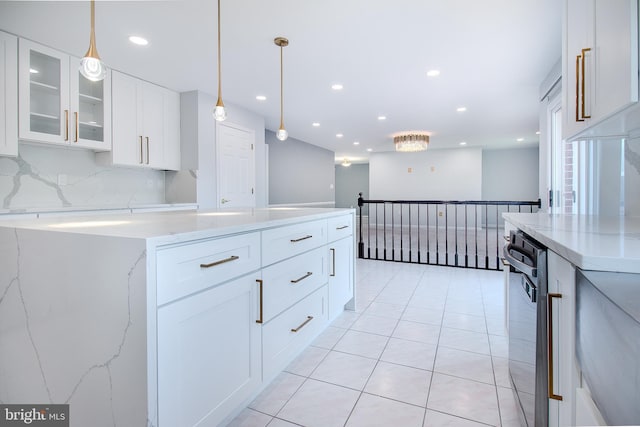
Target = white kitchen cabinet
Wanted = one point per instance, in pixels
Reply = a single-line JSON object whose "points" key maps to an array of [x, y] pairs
{"points": [[57, 104], [340, 275], [600, 65], [341, 268], [146, 125], [285, 336], [561, 330], [209, 354], [8, 95]]}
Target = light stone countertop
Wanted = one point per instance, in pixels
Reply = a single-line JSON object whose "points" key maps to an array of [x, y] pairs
{"points": [[174, 226], [589, 242]]}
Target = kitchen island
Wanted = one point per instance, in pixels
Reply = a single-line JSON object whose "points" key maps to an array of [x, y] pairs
{"points": [[577, 244], [165, 318]]}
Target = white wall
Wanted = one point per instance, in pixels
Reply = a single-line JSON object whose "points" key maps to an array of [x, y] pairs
{"points": [[197, 181], [632, 177], [429, 175]]}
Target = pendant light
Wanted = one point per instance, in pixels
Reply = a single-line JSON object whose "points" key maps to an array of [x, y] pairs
{"points": [[91, 67], [282, 133], [219, 113]]}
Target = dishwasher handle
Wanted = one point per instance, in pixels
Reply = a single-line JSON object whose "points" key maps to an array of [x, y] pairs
{"points": [[517, 264]]}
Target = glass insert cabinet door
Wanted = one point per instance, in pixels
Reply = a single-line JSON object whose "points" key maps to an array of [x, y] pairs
{"points": [[57, 105]]}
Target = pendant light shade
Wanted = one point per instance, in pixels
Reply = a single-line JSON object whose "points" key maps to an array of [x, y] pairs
{"points": [[282, 133], [219, 112], [91, 66]]}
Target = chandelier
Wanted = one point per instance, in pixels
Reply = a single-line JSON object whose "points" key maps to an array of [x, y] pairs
{"points": [[410, 142]]}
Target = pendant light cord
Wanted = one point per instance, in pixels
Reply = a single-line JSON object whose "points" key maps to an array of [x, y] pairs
{"points": [[281, 92], [219, 68]]}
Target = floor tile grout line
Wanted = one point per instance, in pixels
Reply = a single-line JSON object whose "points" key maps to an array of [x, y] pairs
{"points": [[381, 353], [493, 368]]}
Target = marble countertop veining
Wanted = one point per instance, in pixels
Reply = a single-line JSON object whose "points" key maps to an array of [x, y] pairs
{"points": [[589, 242], [174, 226]]}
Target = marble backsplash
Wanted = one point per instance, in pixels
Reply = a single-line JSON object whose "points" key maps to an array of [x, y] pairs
{"points": [[43, 177]]}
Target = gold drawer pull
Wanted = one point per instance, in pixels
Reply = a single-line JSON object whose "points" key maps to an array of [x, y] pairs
{"points": [[222, 261], [259, 281], [342, 228], [550, 297], [309, 273], [309, 319], [301, 239]]}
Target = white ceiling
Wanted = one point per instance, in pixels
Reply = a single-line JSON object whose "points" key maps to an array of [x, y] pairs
{"points": [[492, 54]]}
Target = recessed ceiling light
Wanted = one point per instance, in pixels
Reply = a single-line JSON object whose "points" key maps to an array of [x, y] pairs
{"points": [[315, 124], [140, 41], [461, 109], [356, 143], [433, 73], [261, 98], [339, 135], [520, 139], [463, 143], [538, 133], [382, 118], [369, 149], [336, 86], [33, 71]]}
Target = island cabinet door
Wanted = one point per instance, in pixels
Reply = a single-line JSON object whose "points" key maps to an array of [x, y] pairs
{"points": [[340, 275], [208, 354]]}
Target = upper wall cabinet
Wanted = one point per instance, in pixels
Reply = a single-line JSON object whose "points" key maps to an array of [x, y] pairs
{"points": [[600, 63], [57, 104], [8, 95], [146, 125]]}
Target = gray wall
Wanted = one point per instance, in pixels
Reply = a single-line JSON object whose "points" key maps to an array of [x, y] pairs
{"points": [[510, 174], [299, 173], [349, 182]]}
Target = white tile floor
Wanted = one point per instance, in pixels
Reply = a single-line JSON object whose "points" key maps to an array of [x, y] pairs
{"points": [[425, 347]]}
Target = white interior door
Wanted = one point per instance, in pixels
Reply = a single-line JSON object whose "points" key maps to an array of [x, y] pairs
{"points": [[235, 166]]}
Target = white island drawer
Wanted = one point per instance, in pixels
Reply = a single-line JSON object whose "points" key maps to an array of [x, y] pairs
{"points": [[284, 242], [339, 227], [190, 268], [286, 335], [287, 282]]}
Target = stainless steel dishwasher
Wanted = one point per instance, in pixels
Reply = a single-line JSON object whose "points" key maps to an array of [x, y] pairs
{"points": [[528, 345]]}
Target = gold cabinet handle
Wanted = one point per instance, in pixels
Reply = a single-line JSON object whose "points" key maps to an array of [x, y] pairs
{"points": [[303, 324], [584, 59], [342, 228], [147, 149], [309, 273], [333, 262], [141, 154], [301, 239], [259, 282], [578, 119], [550, 297], [77, 116], [222, 261], [66, 125]]}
